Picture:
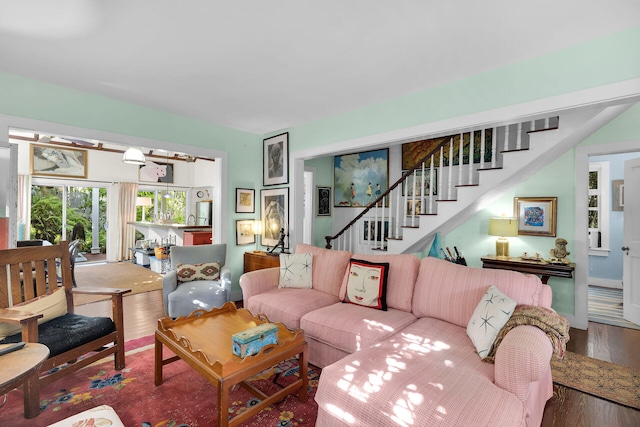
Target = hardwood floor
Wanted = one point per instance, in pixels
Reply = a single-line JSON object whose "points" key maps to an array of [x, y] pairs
{"points": [[568, 408]]}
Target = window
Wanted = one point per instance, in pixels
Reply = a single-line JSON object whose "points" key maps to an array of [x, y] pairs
{"points": [[598, 208]]}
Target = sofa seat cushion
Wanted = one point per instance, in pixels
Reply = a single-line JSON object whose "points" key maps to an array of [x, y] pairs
{"points": [[198, 294], [68, 332], [427, 374], [288, 305], [350, 327]]}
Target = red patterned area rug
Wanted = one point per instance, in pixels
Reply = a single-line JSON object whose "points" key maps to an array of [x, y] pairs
{"points": [[184, 399]]}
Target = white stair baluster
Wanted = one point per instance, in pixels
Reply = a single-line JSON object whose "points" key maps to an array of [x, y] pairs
{"points": [[482, 148], [441, 167], [506, 138], [519, 137], [432, 171], [494, 146], [460, 159], [450, 178], [471, 156]]}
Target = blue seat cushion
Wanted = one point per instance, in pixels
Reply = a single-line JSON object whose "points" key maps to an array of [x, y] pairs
{"points": [[67, 332]]}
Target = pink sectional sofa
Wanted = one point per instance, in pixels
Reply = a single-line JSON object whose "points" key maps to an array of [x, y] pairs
{"points": [[413, 364]]}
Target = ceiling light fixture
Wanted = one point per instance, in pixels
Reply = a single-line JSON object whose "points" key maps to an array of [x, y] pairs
{"points": [[133, 156]]}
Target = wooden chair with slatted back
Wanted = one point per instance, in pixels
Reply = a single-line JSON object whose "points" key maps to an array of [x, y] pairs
{"points": [[29, 273]]}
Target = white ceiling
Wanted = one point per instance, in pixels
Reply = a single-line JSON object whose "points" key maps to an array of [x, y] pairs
{"points": [[263, 66]]}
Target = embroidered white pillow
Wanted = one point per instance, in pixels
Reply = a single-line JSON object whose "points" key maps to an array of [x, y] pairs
{"points": [[295, 270], [491, 314]]}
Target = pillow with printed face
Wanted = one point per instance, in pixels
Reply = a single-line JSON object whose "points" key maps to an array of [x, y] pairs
{"points": [[204, 271], [296, 270], [491, 314], [367, 284]]}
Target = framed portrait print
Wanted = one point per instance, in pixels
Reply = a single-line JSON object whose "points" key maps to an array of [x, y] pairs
{"points": [[323, 199], [58, 161], [245, 200], [359, 178], [274, 204], [536, 215], [244, 232], [275, 156], [156, 172]]}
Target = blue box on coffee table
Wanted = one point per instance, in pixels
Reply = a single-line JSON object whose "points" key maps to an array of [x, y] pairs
{"points": [[250, 342]]}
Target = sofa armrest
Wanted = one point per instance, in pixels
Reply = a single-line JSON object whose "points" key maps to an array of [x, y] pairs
{"points": [[225, 280], [169, 284], [258, 281], [523, 357]]}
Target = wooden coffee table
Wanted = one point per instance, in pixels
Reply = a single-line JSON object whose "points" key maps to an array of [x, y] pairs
{"points": [[203, 340], [20, 367]]}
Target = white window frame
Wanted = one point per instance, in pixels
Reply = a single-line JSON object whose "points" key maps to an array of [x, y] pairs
{"points": [[604, 197]]}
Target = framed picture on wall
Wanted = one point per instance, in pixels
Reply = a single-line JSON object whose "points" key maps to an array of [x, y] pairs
{"points": [[359, 178], [536, 215], [245, 200], [323, 197], [58, 161], [244, 232], [274, 204], [156, 172], [275, 156]]}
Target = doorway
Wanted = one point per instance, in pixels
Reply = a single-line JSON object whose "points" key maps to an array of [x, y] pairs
{"points": [[583, 272]]}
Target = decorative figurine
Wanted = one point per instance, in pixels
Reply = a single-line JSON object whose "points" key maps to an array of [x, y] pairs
{"points": [[280, 243], [560, 251]]}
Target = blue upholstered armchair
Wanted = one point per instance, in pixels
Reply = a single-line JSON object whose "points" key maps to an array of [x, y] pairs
{"points": [[183, 297]]}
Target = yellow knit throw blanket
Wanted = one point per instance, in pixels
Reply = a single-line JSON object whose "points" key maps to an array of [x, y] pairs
{"points": [[555, 326]]}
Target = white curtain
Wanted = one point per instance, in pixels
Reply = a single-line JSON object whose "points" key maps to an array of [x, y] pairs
{"points": [[127, 193], [24, 206]]}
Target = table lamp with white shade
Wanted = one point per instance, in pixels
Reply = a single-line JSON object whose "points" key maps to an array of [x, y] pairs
{"points": [[503, 227]]}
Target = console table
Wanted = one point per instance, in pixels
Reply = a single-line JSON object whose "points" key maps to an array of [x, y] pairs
{"points": [[259, 260], [544, 269]]}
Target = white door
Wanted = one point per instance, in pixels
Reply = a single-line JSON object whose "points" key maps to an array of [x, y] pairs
{"points": [[631, 247]]}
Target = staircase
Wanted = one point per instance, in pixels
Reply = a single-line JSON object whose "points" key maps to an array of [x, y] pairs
{"points": [[445, 189]]}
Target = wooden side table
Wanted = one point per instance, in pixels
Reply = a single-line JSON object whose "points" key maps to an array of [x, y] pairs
{"points": [[23, 367], [259, 260], [541, 268]]}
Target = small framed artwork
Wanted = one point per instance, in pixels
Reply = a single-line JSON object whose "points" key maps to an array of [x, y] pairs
{"points": [[156, 172], [618, 195], [245, 200], [274, 204], [323, 201], [275, 155], [244, 232], [536, 215], [58, 161]]}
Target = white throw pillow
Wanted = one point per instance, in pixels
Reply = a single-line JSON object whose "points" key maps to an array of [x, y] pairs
{"points": [[295, 270], [491, 314], [50, 305]]}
